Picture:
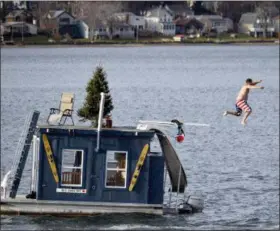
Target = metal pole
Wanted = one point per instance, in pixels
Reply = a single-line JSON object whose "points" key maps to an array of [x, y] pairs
{"points": [[178, 186], [137, 33], [165, 177], [101, 109], [34, 149], [22, 31], [170, 192], [37, 162], [11, 33]]}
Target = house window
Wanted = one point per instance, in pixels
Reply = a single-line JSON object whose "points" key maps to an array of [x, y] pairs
{"points": [[116, 169], [121, 29], [64, 20], [72, 167]]}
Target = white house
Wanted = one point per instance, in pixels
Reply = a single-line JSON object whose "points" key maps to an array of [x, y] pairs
{"points": [[20, 28], [84, 28], [216, 22], [118, 30], [253, 24], [276, 24], [160, 20], [131, 19], [123, 30]]}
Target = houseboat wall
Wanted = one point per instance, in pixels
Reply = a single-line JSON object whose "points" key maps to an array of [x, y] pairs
{"points": [[91, 186]]}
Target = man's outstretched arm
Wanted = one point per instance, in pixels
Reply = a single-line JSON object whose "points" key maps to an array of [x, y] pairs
{"points": [[256, 82], [255, 87]]}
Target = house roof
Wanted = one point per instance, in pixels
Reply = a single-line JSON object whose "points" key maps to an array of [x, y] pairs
{"points": [[210, 17], [55, 13], [180, 9], [154, 12], [248, 18], [16, 13], [272, 10], [124, 14], [185, 21], [52, 14]]}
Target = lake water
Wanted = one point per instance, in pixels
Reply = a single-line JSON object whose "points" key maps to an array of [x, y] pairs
{"points": [[235, 169]]}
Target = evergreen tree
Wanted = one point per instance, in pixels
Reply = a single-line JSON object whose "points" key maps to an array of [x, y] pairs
{"points": [[96, 85]]}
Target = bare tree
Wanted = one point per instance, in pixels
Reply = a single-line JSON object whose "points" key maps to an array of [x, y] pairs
{"points": [[266, 11], [95, 13]]}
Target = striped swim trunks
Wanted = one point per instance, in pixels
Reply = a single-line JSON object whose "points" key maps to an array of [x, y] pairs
{"points": [[242, 105]]}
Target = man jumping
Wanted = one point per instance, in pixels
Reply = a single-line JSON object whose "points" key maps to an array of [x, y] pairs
{"points": [[241, 100]]}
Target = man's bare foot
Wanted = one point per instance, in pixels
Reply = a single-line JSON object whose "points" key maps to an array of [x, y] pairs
{"points": [[243, 123]]}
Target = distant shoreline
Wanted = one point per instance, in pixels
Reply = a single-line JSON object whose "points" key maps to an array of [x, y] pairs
{"points": [[142, 44]]}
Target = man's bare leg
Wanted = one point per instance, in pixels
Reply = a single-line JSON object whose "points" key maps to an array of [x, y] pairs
{"points": [[231, 113], [245, 118]]}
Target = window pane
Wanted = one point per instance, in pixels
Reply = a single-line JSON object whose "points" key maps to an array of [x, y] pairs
{"points": [[116, 159], [71, 158], [116, 178], [71, 176]]}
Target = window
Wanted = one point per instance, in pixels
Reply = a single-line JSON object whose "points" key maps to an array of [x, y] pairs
{"points": [[72, 167], [116, 169], [64, 20]]}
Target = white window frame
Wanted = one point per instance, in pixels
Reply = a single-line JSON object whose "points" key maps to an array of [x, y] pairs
{"points": [[114, 169], [72, 167]]}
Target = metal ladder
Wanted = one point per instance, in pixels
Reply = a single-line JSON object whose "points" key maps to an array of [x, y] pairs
{"points": [[25, 150]]}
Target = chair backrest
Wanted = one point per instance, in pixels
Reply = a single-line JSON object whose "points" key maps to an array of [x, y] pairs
{"points": [[67, 101]]}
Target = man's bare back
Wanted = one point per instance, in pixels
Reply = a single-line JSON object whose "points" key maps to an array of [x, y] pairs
{"points": [[241, 100]]}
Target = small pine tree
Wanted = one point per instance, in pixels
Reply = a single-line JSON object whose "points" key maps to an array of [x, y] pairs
{"points": [[96, 85]]}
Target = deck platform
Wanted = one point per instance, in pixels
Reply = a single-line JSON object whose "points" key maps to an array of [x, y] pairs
{"points": [[21, 206]]}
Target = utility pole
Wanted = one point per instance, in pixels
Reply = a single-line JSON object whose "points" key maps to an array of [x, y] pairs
{"points": [[22, 31], [137, 33]]}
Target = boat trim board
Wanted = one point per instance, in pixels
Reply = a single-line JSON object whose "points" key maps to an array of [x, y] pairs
{"points": [[138, 167], [50, 157]]}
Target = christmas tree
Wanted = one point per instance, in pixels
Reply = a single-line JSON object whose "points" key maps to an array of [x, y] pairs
{"points": [[96, 85]]}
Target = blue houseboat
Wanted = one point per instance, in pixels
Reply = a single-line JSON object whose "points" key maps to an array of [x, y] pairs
{"points": [[83, 170]]}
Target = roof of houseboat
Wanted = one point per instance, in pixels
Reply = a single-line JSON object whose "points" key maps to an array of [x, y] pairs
{"points": [[88, 128]]}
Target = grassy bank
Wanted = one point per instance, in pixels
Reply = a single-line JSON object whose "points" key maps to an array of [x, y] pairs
{"points": [[42, 40]]}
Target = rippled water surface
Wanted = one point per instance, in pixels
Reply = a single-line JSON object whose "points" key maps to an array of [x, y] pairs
{"points": [[235, 169]]}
